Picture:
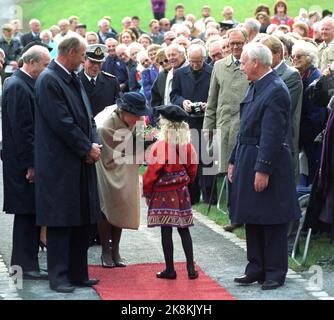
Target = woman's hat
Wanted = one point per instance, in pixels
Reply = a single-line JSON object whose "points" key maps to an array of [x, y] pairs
{"points": [[133, 102], [172, 112]]}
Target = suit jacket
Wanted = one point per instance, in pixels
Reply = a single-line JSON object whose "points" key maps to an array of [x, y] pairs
{"points": [[18, 143], [66, 187], [261, 147], [29, 37], [293, 81], [107, 35], [104, 93]]}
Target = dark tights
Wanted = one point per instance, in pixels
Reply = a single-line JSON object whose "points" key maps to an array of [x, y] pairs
{"points": [[167, 246]]}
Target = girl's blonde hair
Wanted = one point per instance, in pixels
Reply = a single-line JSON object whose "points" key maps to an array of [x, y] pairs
{"points": [[175, 133]]}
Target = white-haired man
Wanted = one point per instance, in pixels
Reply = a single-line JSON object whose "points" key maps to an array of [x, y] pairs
{"points": [[33, 34], [261, 171], [18, 160]]}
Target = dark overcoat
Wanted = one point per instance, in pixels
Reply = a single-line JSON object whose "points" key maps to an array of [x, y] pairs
{"points": [[18, 143], [66, 187], [104, 93], [118, 68], [262, 147], [186, 87]]}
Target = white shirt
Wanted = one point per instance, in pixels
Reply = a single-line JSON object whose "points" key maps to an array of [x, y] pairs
{"points": [[271, 70], [89, 78]]}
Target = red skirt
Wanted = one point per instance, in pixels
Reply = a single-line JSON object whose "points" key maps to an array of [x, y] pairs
{"points": [[170, 208]]}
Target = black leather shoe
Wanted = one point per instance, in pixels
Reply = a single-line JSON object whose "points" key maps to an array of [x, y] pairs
{"points": [[231, 227], [63, 288], [270, 285], [246, 280], [166, 275], [35, 275], [87, 283]]}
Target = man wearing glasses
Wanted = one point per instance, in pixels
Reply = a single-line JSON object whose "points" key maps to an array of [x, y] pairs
{"points": [[227, 89]]}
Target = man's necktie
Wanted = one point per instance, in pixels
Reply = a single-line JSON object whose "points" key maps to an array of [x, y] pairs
{"points": [[92, 82]]}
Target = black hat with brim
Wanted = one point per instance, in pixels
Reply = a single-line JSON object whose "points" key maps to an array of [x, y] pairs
{"points": [[172, 112], [35, 43], [134, 103]]}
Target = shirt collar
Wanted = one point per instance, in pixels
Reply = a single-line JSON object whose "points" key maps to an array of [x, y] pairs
{"points": [[60, 65], [89, 78], [278, 65], [265, 75], [26, 73]]}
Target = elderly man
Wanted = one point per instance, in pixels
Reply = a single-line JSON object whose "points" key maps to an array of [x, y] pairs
{"points": [[64, 26], [327, 56], [33, 35], [104, 32], [227, 89], [228, 15], [18, 160], [327, 34], [176, 56], [66, 149], [190, 91], [252, 26], [261, 171], [215, 51], [116, 66]]}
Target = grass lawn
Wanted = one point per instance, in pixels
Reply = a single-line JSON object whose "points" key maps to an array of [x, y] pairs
{"points": [[90, 11]]}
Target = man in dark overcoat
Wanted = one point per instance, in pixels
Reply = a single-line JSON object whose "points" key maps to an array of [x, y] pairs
{"points": [[18, 160], [263, 194], [66, 148], [101, 87], [191, 85]]}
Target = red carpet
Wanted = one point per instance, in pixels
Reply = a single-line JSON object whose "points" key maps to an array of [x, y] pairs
{"points": [[138, 282]]}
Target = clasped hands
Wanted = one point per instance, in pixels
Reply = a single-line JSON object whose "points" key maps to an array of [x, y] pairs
{"points": [[94, 153]]}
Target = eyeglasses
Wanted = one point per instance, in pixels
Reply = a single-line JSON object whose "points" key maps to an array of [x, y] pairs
{"points": [[164, 61], [170, 39], [298, 56], [238, 44]]}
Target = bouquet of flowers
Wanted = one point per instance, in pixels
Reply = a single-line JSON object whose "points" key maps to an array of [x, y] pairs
{"points": [[150, 135]]}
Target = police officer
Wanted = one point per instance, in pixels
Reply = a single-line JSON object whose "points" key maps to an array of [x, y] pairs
{"points": [[102, 88]]}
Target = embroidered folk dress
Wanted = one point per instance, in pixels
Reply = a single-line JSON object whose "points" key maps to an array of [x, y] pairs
{"points": [[165, 184]]}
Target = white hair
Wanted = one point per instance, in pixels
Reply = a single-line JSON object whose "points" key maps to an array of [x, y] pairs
{"points": [[132, 46], [177, 47], [102, 21], [196, 48], [307, 48], [327, 19], [63, 21], [34, 21], [252, 24], [44, 32], [228, 8], [260, 52]]}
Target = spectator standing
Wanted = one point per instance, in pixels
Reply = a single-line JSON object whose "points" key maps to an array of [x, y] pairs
{"points": [[281, 14], [33, 35], [158, 8], [179, 15]]}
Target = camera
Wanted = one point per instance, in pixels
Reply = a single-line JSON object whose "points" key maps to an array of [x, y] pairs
{"points": [[196, 108]]}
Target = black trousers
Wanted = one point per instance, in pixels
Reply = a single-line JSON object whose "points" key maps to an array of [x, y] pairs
{"points": [[267, 251], [67, 254], [25, 242]]}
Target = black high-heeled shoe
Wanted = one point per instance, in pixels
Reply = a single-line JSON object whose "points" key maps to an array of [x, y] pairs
{"points": [[171, 275], [106, 264]]}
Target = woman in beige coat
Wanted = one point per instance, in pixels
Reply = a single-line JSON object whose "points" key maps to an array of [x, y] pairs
{"points": [[117, 173]]}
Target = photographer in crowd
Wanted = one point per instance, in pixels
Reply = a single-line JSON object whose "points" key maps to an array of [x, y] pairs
{"points": [[190, 91]]}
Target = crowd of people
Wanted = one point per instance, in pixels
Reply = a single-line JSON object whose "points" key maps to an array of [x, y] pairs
{"points": [[242, 88]]}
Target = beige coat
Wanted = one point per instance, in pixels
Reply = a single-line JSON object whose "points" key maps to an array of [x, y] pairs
{"points": [[118, 184], [228, 87], [327, 57]]}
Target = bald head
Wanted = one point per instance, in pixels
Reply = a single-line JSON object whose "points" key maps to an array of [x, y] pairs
{"points": [[35, 60]]}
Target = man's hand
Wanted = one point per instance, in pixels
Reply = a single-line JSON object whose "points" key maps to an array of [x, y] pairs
{"points": [[261, 181], [203, 106], [230, 172], [186, 105], [94, 153], [30, 175]]}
